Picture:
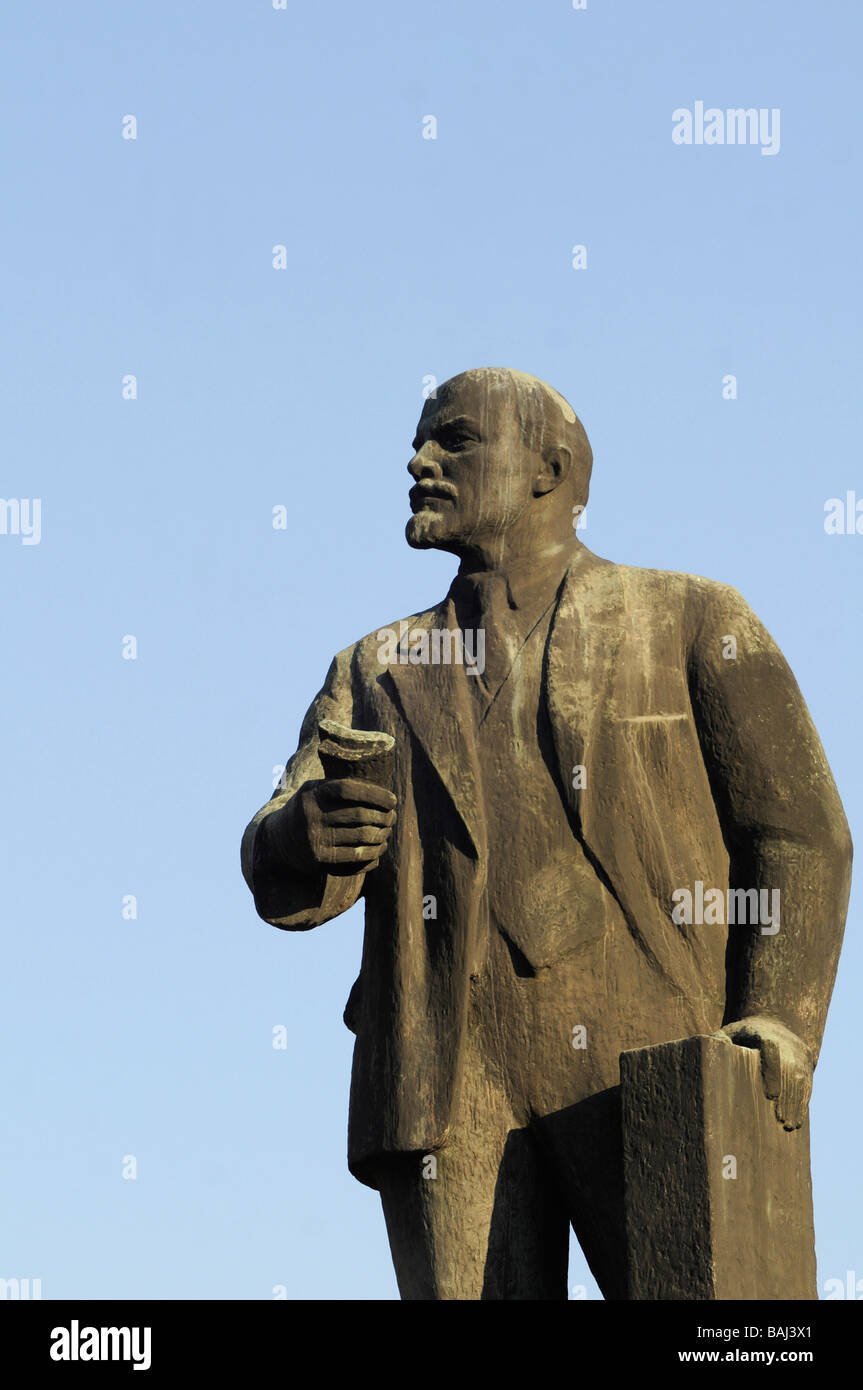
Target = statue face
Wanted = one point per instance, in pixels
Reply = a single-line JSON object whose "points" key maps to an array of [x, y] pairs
{"points": [[472, 474]]}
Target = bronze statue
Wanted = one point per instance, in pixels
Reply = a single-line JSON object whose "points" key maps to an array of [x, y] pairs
{"points": [[589, 813]]}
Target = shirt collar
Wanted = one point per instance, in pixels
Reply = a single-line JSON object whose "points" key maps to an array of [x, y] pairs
{"points": [[530, 589]]}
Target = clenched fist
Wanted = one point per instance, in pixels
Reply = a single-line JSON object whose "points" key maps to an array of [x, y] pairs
{"points": [[339, 825]]}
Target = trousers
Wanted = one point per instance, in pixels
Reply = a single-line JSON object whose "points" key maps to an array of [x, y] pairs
{"points": [[534, 1145]]}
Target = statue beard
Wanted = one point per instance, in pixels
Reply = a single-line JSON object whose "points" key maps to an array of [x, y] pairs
{"points": [[426, 529]]}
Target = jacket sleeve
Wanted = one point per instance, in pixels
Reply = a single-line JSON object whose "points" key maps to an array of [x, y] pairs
{"points": [[282, 896], [781, 817]]}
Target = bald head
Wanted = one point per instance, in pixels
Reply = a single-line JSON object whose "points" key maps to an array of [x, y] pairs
{"points": [[497, 451], [544, 416]]}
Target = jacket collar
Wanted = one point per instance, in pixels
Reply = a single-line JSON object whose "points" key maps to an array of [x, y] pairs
{"points": [[529, 590]]}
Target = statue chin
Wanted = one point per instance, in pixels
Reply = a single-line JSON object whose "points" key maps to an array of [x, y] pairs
{"points": [[425, 530]]}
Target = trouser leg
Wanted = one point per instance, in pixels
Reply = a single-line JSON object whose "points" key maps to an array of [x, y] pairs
{"points": [[490, 1223], [584, 1144]]}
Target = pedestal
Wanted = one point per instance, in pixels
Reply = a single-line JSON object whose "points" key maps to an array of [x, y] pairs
{"points": [[718, 1194]]}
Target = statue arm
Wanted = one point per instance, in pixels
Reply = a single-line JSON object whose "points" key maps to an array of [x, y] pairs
{"points": [[785, 831], [285, 895]]}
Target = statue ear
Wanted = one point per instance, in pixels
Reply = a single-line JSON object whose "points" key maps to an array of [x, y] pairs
{"points": [[556, 465]]}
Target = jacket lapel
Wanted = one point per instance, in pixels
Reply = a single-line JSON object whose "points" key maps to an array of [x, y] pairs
{"points": [[436, 702], [584, 641]]}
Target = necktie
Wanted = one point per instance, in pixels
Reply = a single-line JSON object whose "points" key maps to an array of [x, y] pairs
{"points": [[500, 639]]}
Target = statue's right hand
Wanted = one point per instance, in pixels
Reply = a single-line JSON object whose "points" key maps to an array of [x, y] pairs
{"points": [[338, 823]]}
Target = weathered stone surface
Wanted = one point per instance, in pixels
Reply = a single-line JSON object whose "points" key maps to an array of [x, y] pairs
{"points": [[718, 1195]]}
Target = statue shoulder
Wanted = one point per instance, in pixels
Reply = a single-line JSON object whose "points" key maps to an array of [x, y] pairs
{"points": [[675, 589], [365, 653]]}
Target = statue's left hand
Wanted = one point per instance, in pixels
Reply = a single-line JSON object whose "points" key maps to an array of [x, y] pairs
{"points": [[786, 1064]]}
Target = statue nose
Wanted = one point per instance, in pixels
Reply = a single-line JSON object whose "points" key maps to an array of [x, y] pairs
{"points": [[424, 465]]}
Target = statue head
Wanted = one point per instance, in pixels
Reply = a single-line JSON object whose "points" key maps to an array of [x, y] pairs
{"points": [[501, 462]]}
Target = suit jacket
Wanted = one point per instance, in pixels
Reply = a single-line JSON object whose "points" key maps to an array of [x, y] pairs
{"points": [[698, 767]]}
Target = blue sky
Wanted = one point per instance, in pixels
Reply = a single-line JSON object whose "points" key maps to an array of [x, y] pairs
{"points": [[256, 387]]}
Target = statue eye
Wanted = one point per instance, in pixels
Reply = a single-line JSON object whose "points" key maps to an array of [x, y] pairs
{"points": [[458, 440]]}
